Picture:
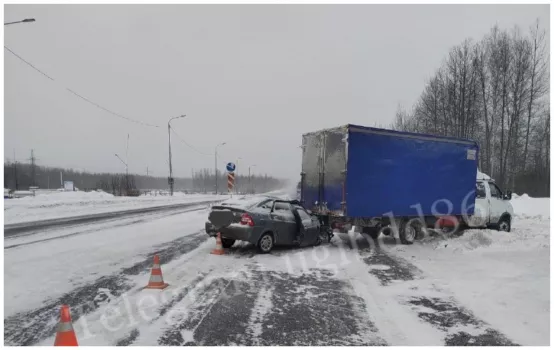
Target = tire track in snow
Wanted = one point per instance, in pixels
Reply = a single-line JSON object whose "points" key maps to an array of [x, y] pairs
{"points": [[274, 308], [167, 306], [460, 326], [129, 339], [260, 310], [315, 308], [199, 307], [30, 327]]}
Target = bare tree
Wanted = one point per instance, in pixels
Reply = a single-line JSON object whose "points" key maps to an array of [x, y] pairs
{"points": [[495, 92]]}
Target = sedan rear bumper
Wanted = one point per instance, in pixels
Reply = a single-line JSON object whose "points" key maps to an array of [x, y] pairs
{"points": [[234, 231]]}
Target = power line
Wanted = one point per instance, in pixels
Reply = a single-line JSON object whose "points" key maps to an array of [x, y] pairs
{"points": [[81, 96], [109, 111], [29, 64], [191, 147]]}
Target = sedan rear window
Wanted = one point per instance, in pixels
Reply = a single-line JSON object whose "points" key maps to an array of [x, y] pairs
{"points": [[268, 204], [282, 206]]}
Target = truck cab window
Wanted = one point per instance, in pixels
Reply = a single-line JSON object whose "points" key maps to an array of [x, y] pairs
{"points": [[495, 192], [481, 193]]}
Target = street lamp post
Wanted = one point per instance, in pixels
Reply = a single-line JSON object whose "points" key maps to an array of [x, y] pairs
{"points": [[26, 20], [250, 178], [126, 173], [221, 144], [171, 181]]}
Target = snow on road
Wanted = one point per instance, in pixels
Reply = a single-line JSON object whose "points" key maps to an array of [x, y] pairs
{"points": [[483, 288], [47, 269], [55, 205]]}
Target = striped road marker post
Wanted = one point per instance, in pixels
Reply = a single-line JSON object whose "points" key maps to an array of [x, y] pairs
{"points": [[230, 182]]}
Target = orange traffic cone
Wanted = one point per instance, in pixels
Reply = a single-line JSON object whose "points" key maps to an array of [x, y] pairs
{"points": [[156, 278], [65, 336], [218, 246]]}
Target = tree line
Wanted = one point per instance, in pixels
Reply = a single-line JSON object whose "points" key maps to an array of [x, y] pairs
{"points": [[494, 91], [20, 176], [203, 180]]}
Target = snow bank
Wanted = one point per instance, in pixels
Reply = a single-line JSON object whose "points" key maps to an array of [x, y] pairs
{"points": [[528, 207], [503, 277], [530, 231], [67, 196], [524, 237]]}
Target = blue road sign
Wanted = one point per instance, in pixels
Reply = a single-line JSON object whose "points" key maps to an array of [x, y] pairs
{"points": [[231, 167]]}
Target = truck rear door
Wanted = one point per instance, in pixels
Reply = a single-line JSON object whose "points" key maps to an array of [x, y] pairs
{"points": [[324, 157]]}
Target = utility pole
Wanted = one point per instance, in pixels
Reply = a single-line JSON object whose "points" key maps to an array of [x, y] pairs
{"points": [[215, 169], [15, 171], [171, 181], [33, 167], [126, 165], [250, 179]]}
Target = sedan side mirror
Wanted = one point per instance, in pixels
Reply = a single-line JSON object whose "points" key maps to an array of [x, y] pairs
{"points": [[508, 195]]}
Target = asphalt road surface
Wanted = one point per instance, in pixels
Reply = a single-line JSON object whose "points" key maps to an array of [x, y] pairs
{"points": [[343, 293]]}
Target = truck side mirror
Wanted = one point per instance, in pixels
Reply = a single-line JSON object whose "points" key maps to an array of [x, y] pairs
{"points": [[508, 195]]}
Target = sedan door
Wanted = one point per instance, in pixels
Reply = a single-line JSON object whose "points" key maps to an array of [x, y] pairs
{"points": [[283, 220], [311, 226]]}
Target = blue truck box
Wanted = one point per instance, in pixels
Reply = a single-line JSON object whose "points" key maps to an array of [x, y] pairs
{"points": [[365, 172]]}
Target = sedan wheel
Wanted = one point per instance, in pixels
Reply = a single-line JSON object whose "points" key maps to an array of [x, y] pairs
{"points": [[266, 243]]}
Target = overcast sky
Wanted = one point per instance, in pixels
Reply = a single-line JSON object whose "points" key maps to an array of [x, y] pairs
{"points": [[254, 76]]}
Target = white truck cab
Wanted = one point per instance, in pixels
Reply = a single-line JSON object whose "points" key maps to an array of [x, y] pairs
{"points": [[492, 207]]}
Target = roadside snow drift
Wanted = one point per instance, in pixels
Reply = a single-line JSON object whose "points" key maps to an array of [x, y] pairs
{"points": [[503, 277]]}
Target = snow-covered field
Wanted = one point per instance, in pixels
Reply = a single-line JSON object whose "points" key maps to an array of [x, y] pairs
{"points": [[56, 205]]}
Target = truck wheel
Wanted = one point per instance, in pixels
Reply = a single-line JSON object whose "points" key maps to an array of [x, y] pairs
{"points": [[410, 231], [504, 224], [373, 232], [227, 242], [265, 244]]}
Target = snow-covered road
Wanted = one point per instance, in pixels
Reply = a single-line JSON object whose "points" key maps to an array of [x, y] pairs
{"points": [[483, 288]]}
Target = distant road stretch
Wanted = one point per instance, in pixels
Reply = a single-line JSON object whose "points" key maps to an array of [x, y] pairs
{"points": [[25, 227]]}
